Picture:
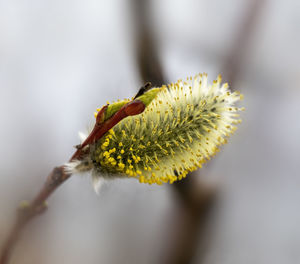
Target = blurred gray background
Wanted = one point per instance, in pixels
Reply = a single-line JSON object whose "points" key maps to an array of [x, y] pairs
{"points": [[60, 60]]}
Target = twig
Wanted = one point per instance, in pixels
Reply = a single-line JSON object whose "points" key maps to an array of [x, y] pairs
{"points": [[58, 176], [26, 212]]}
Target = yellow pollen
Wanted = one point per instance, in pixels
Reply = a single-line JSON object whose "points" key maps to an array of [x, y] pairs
{"points": [[121, 165]]}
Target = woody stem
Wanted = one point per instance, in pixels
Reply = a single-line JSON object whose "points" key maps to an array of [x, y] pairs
{"points": [[57, 177], [35, 208]]}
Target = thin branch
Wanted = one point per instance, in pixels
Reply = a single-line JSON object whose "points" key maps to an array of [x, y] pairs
{"points": [[26, 212], [58, 176]]}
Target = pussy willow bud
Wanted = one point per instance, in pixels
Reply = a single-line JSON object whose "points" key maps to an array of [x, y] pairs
{"points": [[181, 127]]}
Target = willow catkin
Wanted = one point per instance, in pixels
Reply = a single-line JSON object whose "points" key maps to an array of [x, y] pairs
{"points": [[180, 129]]}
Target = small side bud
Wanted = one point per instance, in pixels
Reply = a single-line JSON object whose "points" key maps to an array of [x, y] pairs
{"points": [[101, 115], [24, 205]]}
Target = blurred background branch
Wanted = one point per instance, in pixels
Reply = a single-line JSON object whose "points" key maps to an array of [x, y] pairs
{"points": [[195, 200], [233, 63], [149, 64]]}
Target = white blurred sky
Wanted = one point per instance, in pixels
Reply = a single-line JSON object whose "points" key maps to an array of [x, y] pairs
{"points": [[60, 60]]}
